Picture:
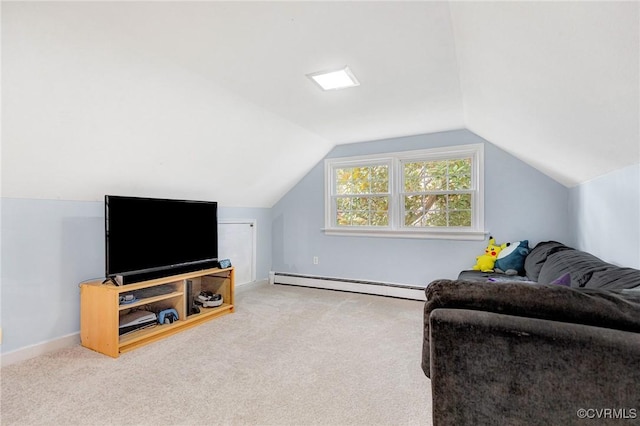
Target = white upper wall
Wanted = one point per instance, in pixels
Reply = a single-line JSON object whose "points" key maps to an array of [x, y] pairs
{"points": [[209, 100], [87, 113]]}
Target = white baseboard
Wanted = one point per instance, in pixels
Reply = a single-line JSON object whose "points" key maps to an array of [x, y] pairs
{"points": [[353, 286], [248, 286], [33, 351]]}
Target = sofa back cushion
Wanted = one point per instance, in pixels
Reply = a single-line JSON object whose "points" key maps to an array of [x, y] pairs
{"points": [[588, 271], [615, 279], [538, 256], [580, 265]]}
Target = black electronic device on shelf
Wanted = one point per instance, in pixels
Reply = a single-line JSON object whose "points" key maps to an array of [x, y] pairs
{"points": [[147, 238], [136, 320]]}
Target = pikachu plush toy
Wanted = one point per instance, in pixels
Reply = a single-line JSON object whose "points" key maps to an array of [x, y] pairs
{"points": [[486, 262]]}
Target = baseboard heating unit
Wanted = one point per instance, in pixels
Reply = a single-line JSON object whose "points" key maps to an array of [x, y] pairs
{"points": [[354, 286]]}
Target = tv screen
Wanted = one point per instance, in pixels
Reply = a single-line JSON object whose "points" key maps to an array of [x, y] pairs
{"points": [[150, 237]]}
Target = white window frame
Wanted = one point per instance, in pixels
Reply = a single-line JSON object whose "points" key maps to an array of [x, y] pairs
{"points": [[395, 160]]}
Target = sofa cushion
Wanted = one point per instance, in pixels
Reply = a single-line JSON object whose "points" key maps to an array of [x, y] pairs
{"points": [[615, 279], [471, 275], [579, 264], [538, 256], [586, 270]]}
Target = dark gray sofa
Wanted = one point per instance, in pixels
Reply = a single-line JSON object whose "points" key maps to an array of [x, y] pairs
{"points": [[515, 352]]}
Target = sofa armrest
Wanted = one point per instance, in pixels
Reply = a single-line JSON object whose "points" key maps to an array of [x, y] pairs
{"points": [[600, 308], [488, 367]]}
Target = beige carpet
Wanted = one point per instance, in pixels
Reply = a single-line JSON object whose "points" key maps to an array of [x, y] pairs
{"points": [[288, 356]]}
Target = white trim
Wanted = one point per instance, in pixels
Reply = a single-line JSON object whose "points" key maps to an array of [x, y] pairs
{"points": [[396, 229], [23, 354], [433, 235], [250, 286], [364, 287], [254, 242]]}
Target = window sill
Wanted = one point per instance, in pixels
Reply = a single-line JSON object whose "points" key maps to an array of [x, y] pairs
{"points": [[448, 234]]}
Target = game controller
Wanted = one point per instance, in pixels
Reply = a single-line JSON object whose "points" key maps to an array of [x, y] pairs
{"points": [[167, 316]]}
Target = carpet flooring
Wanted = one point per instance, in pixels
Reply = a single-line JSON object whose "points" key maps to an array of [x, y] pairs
{"points": [[287, 356]]}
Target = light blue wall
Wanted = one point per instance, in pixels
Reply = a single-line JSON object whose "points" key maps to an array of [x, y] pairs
{"points": [[605, 216], [49, 247], [521, 203]]}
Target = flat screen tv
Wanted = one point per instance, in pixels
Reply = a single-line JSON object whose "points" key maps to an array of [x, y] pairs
{"points": [[148, 238]]}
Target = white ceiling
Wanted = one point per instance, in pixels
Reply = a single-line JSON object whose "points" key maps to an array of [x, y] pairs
{"points": [[555, 84], [403, 54]]}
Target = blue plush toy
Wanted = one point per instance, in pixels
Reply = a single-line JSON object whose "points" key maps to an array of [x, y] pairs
{"points": [[511, 260]]}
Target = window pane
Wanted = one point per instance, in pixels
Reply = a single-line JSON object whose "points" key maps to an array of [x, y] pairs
{"points": [[379, 186], [362, 180], [380, 219], [460, 218], [435, 218], [413, 210], [417, 208], [437, 210], [379, 204], [342, 219], [437, 175], [425, 176], [459, 202], [362, 211], [459, 174], [343, 203], [359, 218], [413, 177]]}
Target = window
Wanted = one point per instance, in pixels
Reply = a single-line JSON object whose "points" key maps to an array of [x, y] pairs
{"points": [[433, 193]]}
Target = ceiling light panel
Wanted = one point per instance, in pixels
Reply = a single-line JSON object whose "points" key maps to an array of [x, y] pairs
{"points": [[334, 80]]}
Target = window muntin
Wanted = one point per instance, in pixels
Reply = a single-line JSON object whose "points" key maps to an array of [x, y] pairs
{"points": [[433, 193]]}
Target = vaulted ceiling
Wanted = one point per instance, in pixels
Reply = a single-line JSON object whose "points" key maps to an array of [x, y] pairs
{"points": [[555, 84]]}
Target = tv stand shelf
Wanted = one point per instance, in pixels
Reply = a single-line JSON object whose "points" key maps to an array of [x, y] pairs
{"points": [[149, 300], [100, 308]]}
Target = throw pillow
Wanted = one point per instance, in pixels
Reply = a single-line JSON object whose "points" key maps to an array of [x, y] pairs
{"points": [[564, 280], [536, 259], [511, 259]]}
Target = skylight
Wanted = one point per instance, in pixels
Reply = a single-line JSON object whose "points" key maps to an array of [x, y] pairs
{"points": [[333, 80]]}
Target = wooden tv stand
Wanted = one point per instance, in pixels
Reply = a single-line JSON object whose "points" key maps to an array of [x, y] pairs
{"points": [[101, 310]]}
